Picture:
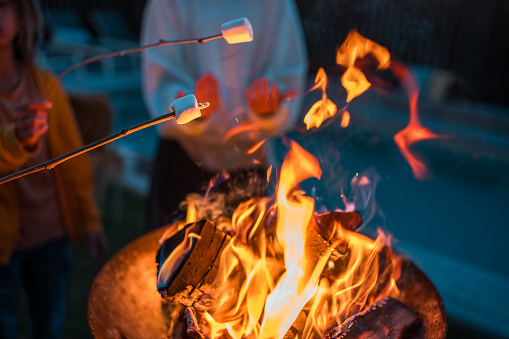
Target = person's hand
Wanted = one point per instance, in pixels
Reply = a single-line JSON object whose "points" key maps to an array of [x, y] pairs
{"points": [[263, 98], [97, 246], [207, 90], [31, 122]]}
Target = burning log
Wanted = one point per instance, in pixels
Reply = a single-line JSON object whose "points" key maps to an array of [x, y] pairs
{"points": [[193, 327], [385, 319], [188, 282], [323, 234], [184, 324], [176, 328]]}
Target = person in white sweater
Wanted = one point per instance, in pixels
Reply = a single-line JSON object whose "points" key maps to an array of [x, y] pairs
{"points": [[255, 86]]}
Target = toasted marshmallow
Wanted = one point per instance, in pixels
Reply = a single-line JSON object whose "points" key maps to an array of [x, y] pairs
{"points": [[237, 31], [186, 109]]}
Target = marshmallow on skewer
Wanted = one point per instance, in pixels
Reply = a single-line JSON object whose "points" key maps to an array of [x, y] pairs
{"points": [[186, 109], [237, 31]]}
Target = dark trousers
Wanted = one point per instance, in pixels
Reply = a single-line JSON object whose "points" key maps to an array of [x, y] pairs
{"points": [[175, 175], [43, 273]]}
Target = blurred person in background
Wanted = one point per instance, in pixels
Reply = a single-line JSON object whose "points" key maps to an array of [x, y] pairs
{"points": [[257, 84], [41, 212]]}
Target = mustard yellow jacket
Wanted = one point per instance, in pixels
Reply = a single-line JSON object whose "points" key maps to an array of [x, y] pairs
{"points": [[74, 179]]}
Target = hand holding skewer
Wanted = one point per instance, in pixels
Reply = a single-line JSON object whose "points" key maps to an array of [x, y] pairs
{"points": [[183, 110], [30, 126], [31, 122]]}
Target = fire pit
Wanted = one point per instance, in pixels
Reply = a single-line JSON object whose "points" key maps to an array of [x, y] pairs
{"points": [[273, 269], [124, 303]]}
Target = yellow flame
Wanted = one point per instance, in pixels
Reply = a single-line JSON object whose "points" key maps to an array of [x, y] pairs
{"points": [[354, 47], [353, 80], [345, 120], [192, 214], [365, 279], [295, 287], [323, 108], [265, 278], [175, 258]]}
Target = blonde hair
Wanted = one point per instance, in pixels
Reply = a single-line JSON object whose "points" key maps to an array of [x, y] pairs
{"points": [[29, 30]]}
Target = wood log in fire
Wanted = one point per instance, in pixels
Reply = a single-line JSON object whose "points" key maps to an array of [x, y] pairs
{"points": [[184, 324], [386, 319], [187, 285], [323, 236], [191, 282]]}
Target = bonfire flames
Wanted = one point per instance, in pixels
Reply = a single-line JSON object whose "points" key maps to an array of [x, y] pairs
{"points": [[269, 273], [356, 54], [276, 269]]}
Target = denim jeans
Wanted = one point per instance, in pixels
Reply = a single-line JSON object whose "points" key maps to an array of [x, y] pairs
{"points": [[43, 274]]}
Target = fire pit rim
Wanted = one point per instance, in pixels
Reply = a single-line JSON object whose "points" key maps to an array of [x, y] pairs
{"points": [[110, 317]]}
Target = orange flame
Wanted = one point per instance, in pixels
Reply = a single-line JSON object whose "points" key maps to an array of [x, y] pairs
{"points": [[353, 80], [323, 108], [266, 277], [354, 47], [414, 131], [345, 120], [364, 280], [298, 284], [255, 147]]}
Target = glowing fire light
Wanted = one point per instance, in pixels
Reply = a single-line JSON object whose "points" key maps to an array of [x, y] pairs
{"points": [[355, 47], [414, 131], [298, 284], [323, 108], [345, 120], [353, 80], [267, 275]]}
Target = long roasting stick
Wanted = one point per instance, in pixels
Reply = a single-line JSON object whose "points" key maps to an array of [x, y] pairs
{"points": [[174, 113], [234, 32], [130, 51]]}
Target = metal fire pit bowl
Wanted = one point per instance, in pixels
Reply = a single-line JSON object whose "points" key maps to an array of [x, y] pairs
{"points": [[123, 301]]}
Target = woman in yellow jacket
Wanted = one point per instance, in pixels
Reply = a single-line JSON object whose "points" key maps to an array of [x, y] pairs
{"points": [[41, 212]]}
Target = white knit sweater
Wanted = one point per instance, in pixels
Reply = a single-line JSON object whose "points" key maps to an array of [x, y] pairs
{"points": [[277, 52]]}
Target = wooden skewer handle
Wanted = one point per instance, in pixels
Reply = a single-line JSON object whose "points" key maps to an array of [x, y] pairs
{"points": [[54, 162]]}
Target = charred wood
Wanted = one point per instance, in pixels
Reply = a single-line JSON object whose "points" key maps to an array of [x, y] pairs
{"points": [[386, 319], [187, 285]]}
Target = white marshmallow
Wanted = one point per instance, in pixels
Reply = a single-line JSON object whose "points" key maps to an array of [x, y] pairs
{"points": [[186, 109], [237, 31]]}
